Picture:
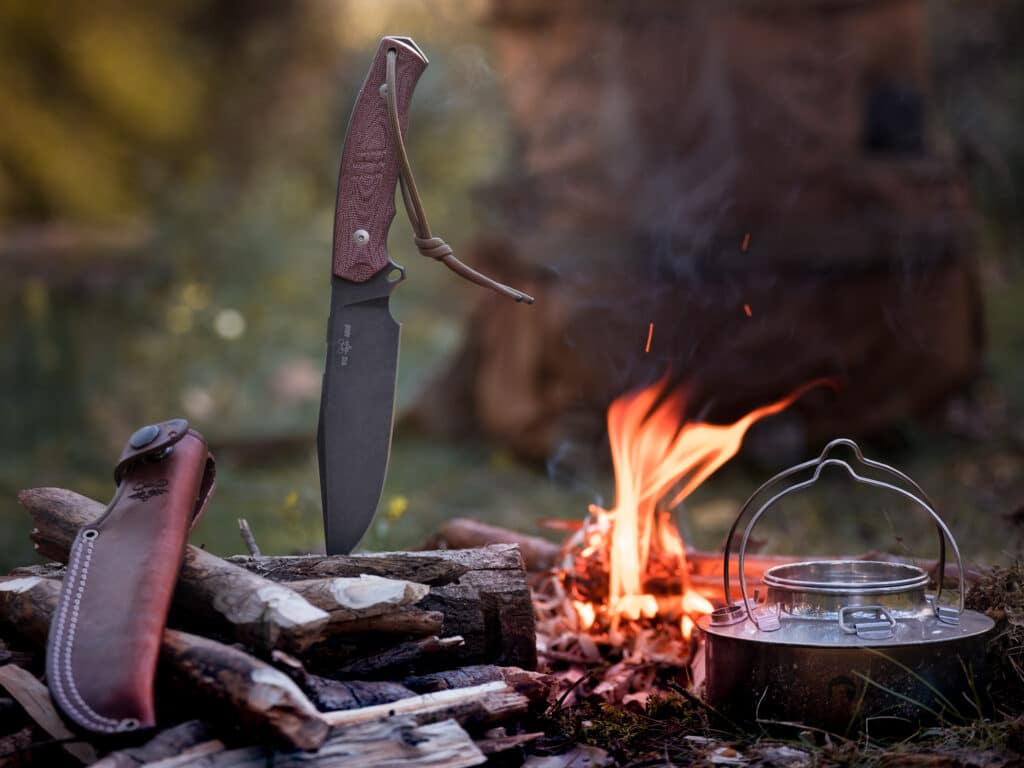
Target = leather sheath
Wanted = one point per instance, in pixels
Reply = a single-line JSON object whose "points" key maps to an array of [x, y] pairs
{"points": [[105, 637]]}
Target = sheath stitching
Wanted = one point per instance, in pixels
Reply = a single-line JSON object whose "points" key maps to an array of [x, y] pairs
{"points": [[64, 688]]}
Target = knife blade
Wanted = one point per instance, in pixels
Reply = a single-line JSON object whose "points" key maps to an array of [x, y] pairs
{"points": [[358, 397]]}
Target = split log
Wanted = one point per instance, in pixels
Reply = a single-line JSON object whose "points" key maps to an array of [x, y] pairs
{"points": [[168, 743], [485, 703], [212, 595], [347, 598], [398, 742], [483, 594], [222, 680]]}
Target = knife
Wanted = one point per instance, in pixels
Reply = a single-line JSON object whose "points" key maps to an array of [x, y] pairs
{"points": [[358, 400]]}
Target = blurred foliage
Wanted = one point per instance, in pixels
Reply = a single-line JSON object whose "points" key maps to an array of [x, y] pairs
{"points": [[167, 180]]}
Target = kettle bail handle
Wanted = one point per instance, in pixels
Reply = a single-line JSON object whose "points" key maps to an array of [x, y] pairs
{"points": [[919, 497]]}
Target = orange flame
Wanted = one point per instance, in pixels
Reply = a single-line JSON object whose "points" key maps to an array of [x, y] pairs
{"points": [[653, 455]]}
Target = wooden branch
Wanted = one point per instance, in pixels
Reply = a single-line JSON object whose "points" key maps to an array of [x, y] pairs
{"points": [[34, 698], [490, 605], [248, 537], [226, 682], [480, 703], [464, 533], [391, 743], [212, 596]]}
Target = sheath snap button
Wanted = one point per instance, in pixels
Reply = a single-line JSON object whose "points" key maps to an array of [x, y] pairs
{"points": [[144, 436]]}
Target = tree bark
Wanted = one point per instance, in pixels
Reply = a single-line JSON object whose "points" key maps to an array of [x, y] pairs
{"points": [[226, 682], [212, 596], [483, 593], [330, 695]]}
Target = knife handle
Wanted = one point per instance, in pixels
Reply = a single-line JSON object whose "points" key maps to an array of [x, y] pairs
{"points": [[369, 165]]}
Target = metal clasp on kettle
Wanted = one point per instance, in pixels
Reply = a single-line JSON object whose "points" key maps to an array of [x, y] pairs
{"points": [[868, 622], [948, 614]]}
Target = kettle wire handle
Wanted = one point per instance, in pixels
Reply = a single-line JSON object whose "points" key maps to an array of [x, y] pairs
{"points": [[823, 460]]}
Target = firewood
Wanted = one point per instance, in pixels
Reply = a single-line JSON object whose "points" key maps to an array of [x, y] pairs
{"points": [[328, 694], [464, 533], [396, 660], [489, 702], [225, 681], [212, 596], [168, 743], [34, 698], [254, 691], [412, 622], [483, 594], [353, 605], [346, 598], [431, 568], [397, 742], [534, 685]]}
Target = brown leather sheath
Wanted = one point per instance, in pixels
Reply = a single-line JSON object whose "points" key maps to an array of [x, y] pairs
{"points": [[105, 637]]}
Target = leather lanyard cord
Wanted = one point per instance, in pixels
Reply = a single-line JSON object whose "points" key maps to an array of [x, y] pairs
{"points": [[429, 245]]}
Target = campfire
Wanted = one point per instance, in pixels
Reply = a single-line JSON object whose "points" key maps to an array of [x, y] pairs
{"points": [[620, 591]]}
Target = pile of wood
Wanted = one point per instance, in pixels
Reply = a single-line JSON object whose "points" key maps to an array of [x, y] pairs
{"points": [[404, 658]]}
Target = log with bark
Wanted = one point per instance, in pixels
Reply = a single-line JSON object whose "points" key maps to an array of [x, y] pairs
{"points": [[212, 597], [220, 680], [483, 594], [294, 603]]}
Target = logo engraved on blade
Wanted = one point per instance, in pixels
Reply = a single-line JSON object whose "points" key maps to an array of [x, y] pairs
{"points": [[345, 346]]}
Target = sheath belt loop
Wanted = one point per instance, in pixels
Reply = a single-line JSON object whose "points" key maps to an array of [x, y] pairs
{"points": [[429, 245], [105, 636]]}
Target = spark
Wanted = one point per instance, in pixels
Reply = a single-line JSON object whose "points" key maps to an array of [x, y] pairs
{"points": [[650, 335], [746, 308], [746, 242]]}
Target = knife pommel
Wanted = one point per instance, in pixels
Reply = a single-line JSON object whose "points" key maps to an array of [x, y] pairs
{"points": [[369, 165]]}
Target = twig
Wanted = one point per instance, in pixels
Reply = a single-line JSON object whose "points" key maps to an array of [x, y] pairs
{"points": [[249, 538]]}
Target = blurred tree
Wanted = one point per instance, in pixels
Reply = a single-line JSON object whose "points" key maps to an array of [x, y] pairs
{"points": [[105, 102]]}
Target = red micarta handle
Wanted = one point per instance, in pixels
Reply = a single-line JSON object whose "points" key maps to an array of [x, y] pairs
{"points": [[369, 165]]}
